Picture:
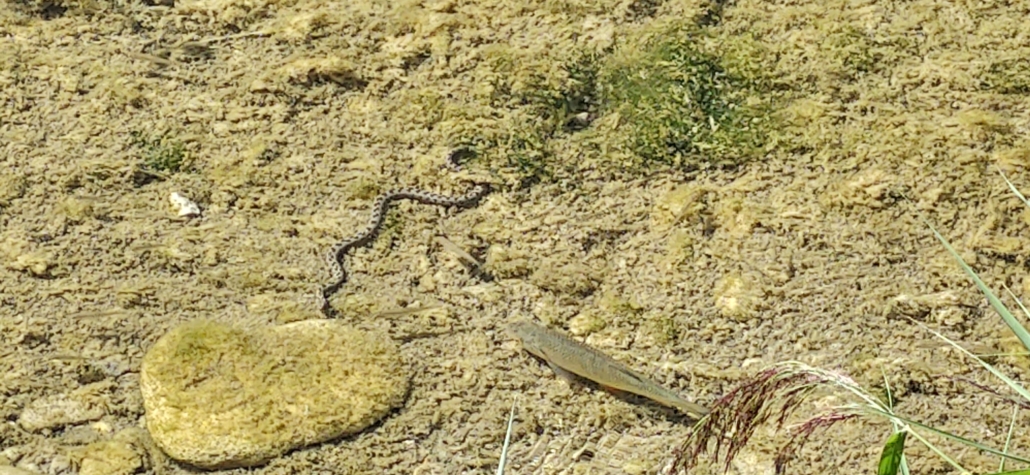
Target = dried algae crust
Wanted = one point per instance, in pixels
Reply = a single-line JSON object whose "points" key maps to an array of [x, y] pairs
{"points": [[288, 135], [217, 396]]}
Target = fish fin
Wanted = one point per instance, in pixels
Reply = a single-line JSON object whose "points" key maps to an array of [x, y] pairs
{"points": [[615, 391], [568, 376]]}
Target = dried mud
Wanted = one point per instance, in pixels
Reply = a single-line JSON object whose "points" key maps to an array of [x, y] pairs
{"points": [[816, 252]]}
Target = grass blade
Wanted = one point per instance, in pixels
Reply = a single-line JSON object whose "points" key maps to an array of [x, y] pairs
{"points": [[1013, 187], [1026, 313], [893, 450], [894, 424], [507, 439], [1010, 320], [1008, 437], [1009, 381], [957, 438]]}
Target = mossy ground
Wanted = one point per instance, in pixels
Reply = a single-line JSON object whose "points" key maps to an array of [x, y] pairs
{"points": [[763, 208]]}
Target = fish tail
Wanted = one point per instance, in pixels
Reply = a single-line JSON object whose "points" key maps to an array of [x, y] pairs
{"points": [[692, 409]]}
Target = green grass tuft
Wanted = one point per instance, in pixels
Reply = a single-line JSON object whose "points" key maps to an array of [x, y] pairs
{"points": [[671, 96], [160, 154], [682, 105]]}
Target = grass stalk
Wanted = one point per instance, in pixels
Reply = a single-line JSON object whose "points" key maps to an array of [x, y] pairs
{"points": [[776, 393]]}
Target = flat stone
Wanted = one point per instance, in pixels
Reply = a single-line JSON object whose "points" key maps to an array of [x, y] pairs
{"points": [[59, 410], [111, 457], [219, 397], [9, 470]]}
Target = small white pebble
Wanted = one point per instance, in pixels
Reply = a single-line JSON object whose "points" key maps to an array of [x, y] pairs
{"points": [[186, 207]]}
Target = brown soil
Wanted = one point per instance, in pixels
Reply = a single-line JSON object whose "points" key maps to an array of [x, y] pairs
{"points": [[292, 115]]}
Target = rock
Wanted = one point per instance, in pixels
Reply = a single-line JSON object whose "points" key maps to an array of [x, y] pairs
{"points": [[507, 263], [20, 254], [185, 207], [12, 187], [738, 297], [570, 278], [586, 322], [682, 203], [127, 453], [220, 397], [81, 405], [9, 470], [110, 457]]}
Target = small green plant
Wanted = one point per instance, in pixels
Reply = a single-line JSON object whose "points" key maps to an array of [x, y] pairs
{"points": [[555, 92], [545, 95], [777, 392], [683, 105], [671, 95], [160, 154], [852, 53], [1010, 76]]}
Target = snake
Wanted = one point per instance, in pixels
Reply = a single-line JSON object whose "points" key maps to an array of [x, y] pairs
{"points": [[335, 256]]}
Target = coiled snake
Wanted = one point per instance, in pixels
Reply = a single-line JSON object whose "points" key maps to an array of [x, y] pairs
{"points": [[334, 258]]}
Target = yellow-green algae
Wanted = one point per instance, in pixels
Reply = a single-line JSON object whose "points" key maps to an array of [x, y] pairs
{"points": [[219, 396]]}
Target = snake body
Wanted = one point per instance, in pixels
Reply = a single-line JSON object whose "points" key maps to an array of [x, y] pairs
{"points": [[334, 258]]}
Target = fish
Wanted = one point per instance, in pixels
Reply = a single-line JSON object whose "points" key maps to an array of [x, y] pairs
{"points": [[569, 358]]}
